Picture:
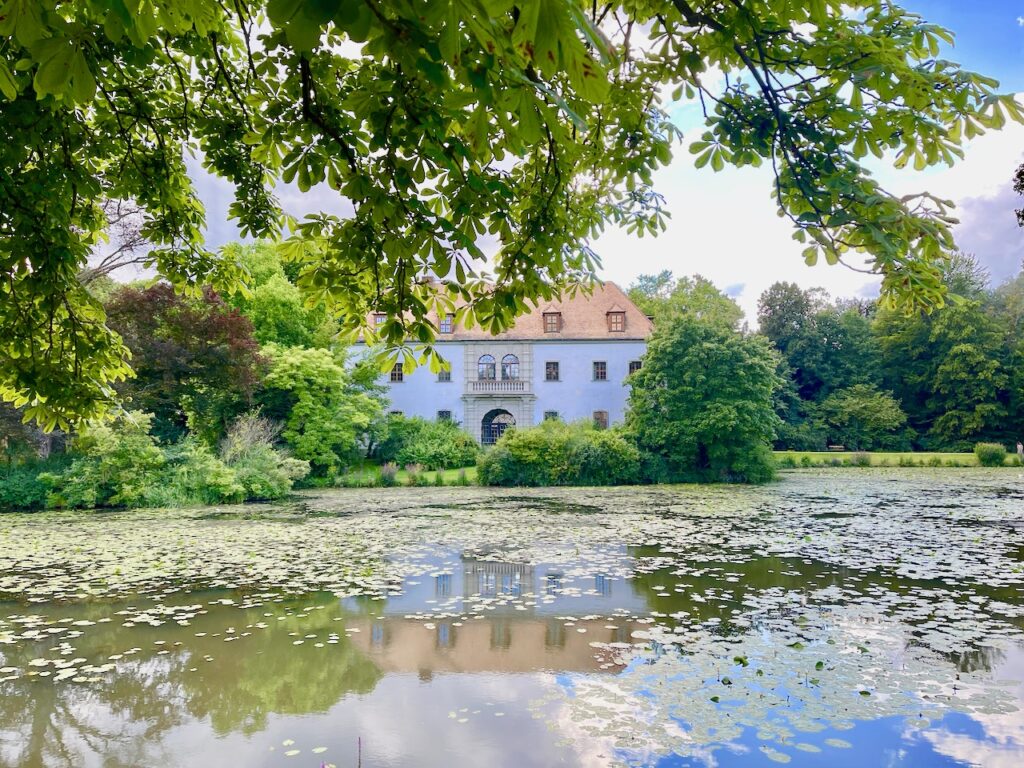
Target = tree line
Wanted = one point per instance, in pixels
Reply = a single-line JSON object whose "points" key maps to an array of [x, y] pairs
{"points": [[860, 374]]}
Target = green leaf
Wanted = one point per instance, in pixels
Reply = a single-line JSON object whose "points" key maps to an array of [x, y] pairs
{"points": [[8, 85]]}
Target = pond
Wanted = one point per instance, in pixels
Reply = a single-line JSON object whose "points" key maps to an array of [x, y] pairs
{"points": [[843, 617]]}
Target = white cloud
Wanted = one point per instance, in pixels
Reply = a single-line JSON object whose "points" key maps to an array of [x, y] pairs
{"points": [[724, 226]]}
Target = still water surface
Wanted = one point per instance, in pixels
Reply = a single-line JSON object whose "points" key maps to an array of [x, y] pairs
{"points": [[848, 618]]}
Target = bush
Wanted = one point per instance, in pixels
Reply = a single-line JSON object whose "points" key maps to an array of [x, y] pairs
{"points": [[990, 454], [554, 453], [805, 461], [389, 475], [431, 444], [263, 472], [21, 487], [860, 460], [462, 478], [195, 476], [787, 462], [935, 461], [119, 464], [415, 475]]}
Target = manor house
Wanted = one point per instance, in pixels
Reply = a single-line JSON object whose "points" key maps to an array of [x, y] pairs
{"points": [[567, 359]]}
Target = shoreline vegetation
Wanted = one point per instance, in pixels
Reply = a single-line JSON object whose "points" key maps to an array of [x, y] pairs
{"points": [[389, 475]]}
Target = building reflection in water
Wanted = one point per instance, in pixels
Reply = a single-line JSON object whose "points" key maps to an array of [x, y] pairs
{"points": [[487, 615]]}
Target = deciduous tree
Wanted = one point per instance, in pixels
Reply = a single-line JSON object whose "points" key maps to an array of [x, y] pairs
{"points": [[535, 124], [701, 408], [665, 297], [326, 412], [195, 360], [862, 418]]}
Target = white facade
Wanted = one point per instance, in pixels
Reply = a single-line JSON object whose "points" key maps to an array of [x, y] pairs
{"points": [[530, 396], [567, 360]]}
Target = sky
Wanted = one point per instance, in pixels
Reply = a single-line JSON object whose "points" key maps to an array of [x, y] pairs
{"points": [[724, 225]]}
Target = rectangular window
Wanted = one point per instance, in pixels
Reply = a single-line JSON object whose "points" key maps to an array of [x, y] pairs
{"points": [[601, 419], [444, 375], [635, 365], [552, 322], [616, 321], [550, 415], [379, 318], [395, 413], [551, 371], [448, 323], [397, 374], [600, 370], [444, 415]]}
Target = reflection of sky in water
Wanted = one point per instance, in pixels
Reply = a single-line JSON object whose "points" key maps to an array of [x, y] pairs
{"points": [[453, 582], [519, 653]]}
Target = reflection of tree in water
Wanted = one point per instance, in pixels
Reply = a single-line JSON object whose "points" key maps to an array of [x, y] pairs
{"points": [[755, 575], [48, 723], [710, 596]]}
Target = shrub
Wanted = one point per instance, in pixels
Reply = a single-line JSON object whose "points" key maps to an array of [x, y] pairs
{"points": [[263, 472], [860, 460], [119, 463], [805, 461], [415, 475], [935, 461], [432, 444], [554, 453], [439, 478], [194, 475], [462, 478], [389, 475], [21, 487], [787, 462], [990, 454], [906, 461]]}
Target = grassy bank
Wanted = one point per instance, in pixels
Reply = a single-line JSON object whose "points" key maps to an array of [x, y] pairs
{"points": [[448, 476], [803, 459]]}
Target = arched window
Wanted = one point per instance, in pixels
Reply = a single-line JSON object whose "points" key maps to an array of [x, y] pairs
{"points": [[485, 368], [510, 367]]}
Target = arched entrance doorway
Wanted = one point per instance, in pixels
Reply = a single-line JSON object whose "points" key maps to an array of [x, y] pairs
{"points": [[494, 425]]}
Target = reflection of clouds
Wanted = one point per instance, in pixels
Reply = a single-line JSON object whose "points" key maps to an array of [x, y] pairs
{"points": [[408, 724], [971, 751], [1001, 744], [804, 670], [596, 744]]}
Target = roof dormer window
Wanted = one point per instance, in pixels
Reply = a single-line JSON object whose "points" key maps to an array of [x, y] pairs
{"points": [[616, 322], [552, 322], [379, 318]]}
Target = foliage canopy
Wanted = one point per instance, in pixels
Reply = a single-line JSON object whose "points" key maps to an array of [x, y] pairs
{"points": [[440, 124], [701, 408]]}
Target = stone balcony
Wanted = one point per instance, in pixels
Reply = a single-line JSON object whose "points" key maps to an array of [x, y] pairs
{"points": [[498, 387]]}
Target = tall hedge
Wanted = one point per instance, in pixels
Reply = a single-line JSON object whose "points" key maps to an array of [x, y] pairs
{"points": [[554, 453]]}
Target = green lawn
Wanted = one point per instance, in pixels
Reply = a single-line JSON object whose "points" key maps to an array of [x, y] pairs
{"points": [[450, 476], [881, 459]]}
